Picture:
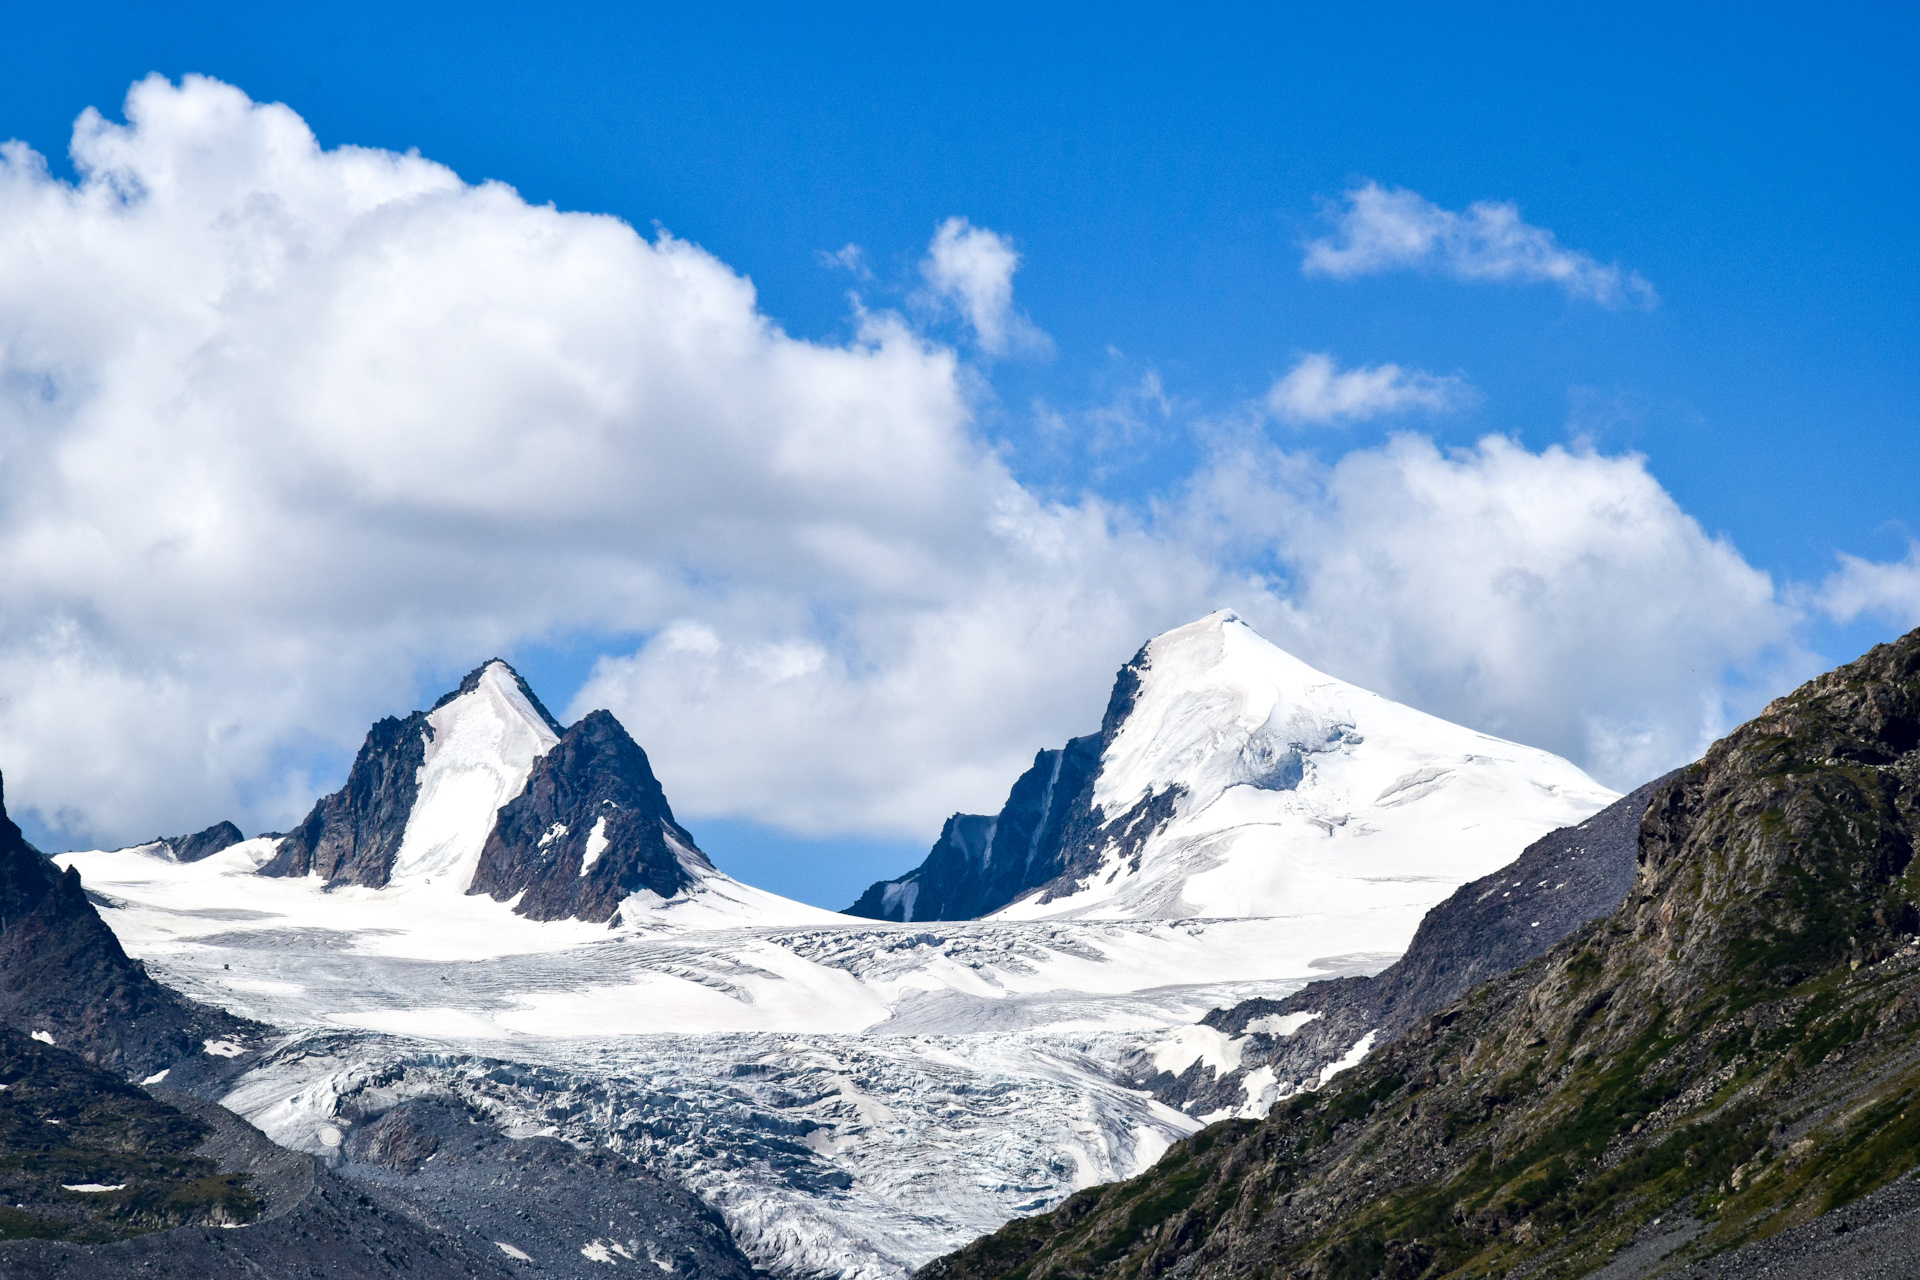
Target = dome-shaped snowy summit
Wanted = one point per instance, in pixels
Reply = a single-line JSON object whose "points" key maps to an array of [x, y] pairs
{"points": [[1231, 779]]}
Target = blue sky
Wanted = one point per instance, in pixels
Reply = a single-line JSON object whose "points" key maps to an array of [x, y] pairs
{"points": [[1159, 174]]}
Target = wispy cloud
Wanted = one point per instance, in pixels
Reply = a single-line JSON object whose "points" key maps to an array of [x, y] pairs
{"points": [[971, 269], [1889, 589], [849, 257], [1319, 391], [1387, 229]]}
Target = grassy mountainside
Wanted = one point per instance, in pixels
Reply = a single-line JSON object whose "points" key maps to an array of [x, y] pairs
{"points": [[65, 1123], [1739, 1043]]}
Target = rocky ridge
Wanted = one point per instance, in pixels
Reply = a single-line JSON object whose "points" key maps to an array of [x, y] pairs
{"points": [[65, 978], [592, 827], [353, 835], [982, 862], [1737, 1046], [580, 826]]}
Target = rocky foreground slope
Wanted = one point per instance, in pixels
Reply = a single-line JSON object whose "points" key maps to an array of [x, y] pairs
{"points": [[1734, 1052], [65, 979]]}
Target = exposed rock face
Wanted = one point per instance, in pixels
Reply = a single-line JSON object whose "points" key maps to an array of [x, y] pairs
{"points": [[64, 974], [1487, 928], [486, 793], [573, 1212], [592, 827], [1738, 1043], [353, 835], [202, 844], [982, 863]]}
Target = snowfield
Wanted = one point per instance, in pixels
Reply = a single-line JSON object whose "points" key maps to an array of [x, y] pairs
{"points": [[856, 1098]]}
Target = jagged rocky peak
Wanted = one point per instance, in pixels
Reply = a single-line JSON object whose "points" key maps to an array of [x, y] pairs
{"points": [[1229, 778], [590, 828], [422, 793], [982, 862], [201, 844], [487, 793]]}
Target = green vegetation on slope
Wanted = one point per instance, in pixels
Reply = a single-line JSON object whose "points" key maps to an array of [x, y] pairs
{"points": [[66, 1124]]}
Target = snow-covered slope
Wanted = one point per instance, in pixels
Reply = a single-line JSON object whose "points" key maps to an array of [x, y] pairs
{"points": [[1231, 779], [479, 751], [1287, 792]]}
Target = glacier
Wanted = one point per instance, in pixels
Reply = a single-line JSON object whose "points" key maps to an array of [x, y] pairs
{"points": [[855, 1097]]}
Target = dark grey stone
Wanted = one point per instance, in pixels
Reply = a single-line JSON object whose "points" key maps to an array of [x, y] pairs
{"points": [[595, 774], [1046, 837], [202, 844], [352, 836], [63, 973]]}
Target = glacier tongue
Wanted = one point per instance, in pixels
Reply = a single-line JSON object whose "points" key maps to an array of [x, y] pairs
{"points": [[854, 1098]]}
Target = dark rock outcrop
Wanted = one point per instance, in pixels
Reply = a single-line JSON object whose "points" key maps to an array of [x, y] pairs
{"points": [[591, 827], [1486, 928], [573, 1212], [64, 974], [1046, 837], [352, 836], [982, 863], [202, 844], [1734, 1051]]}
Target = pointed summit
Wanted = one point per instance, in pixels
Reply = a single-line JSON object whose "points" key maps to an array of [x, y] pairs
{"points": [[423, 791], [486, 793]]}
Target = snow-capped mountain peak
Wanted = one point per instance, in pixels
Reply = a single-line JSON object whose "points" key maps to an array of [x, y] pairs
{"points": [[1237, 780], [1215, 706], [481, 744], [486, 795], [1231, 779]]}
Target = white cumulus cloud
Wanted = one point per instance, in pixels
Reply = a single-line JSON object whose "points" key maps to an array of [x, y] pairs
{"points": [[285, 427], [284, 424], [1559, 598], [1390, 228], [971, 269], [1316, 390]]}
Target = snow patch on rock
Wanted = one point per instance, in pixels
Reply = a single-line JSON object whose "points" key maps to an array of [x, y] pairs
{"points": [[1280, 1025]]}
